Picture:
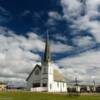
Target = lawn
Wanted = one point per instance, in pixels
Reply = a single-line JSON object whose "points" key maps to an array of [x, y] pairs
{"points": [[43, 96]]}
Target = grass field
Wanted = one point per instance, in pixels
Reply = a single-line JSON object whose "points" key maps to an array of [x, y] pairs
{"points": [[43, 96]]}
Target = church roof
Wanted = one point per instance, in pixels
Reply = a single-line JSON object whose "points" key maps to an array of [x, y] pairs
{"points": [[58, 76]]}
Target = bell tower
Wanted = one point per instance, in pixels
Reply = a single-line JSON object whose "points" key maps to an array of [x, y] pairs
{"points": [[47, 69]]}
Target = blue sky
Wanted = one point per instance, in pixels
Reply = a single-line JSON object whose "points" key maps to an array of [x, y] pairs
{"points": [[74, 36]]}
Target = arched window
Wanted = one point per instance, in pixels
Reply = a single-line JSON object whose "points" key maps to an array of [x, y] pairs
{"points": [[37, 72], [63, 84], [50, 86], [58, 84]]}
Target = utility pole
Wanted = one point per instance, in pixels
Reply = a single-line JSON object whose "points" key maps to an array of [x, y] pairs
{"points": [[77, 86], [94, 87]]}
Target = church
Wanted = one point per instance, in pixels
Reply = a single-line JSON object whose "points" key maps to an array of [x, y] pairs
{"points": [[46, 77]]}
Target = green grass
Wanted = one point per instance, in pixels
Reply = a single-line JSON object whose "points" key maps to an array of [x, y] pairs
{"points": [[43, 96]]}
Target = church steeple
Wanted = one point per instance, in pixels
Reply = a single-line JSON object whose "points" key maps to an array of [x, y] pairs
{"points": [[47, 54]]}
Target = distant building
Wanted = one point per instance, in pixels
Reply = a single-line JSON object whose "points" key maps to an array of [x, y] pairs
{"points": [[87, 88], [14, 87], [73, 88], [2, 86], [45, 77], [98, 88]]}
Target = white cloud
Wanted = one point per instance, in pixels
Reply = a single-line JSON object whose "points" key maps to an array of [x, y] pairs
{"points": [[33, 41], [53, 18], [73, 10], [85, 66], [59, 37], [55, 15], [16, 60], [57, 47], [83, 41]]}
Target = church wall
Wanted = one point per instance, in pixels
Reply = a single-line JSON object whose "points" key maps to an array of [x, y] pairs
{"points": [[50, 78], [60, 86], [33, 79], [44, 74], [47, 76]]}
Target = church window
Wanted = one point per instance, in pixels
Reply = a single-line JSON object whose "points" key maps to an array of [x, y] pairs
{"points": [[63, 84], [36, 84], [50, 86], [37, 72], [57, 84], [44, 84]]}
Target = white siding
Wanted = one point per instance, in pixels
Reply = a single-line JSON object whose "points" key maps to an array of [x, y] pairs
{"points": [[60, 87], [50, 78], [33, 79]]}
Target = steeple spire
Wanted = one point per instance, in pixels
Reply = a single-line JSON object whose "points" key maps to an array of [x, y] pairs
{"points": [[47, 54]]}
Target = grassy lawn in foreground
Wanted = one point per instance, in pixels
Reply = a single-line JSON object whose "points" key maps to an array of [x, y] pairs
{"points": [[42, 96]]}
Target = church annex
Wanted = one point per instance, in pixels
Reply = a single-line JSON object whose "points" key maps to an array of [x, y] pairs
{"points": [[45, 77]]}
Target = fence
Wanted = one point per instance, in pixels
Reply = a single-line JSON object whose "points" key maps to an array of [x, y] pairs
{"points": [[39, 89]]}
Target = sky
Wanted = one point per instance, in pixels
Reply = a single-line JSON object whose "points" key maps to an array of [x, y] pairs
{"points": [[74, 34]]}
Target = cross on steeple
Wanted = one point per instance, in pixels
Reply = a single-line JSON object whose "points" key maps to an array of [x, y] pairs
{"points": [[47, 54]]}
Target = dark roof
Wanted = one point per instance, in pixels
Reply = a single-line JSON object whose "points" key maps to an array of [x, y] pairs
{"points": [[33, 71]]}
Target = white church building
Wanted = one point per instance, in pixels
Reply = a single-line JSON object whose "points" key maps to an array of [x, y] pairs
{"points": [[46, 77]]}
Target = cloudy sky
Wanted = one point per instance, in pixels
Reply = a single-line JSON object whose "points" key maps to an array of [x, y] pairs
{"points": [[74, 30]]}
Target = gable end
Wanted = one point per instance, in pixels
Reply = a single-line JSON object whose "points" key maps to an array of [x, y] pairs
{"points": [[33, 71]]}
